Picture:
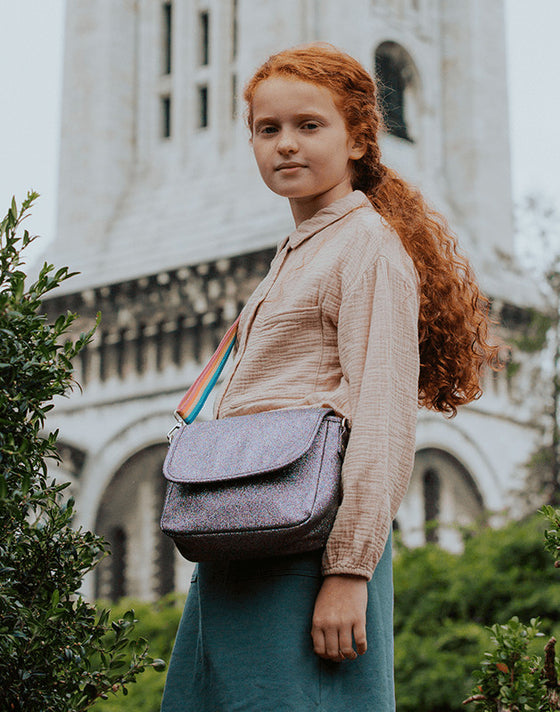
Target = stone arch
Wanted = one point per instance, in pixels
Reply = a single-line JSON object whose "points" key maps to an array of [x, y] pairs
{"points": [[109, 456], [142, 561], [449, 436], [450, 466], [399, 90], [442, 498], [103, 462]]}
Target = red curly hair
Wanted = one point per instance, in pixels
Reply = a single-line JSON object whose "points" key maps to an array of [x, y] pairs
{"points": [[454, 317]]}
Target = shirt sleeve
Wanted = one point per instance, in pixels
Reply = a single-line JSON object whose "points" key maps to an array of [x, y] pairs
{"points": [[378, 350]]}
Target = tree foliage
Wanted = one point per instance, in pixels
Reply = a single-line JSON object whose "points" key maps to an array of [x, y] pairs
{"points": [[158, 622], [513, 677], [446, 605], [58, 653], [539, 235]]}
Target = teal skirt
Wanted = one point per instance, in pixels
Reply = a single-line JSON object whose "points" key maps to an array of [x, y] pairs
{"points": [[244, 642]]}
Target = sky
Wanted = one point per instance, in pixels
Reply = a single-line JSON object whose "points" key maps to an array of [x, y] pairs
{"points": [[31, 65]]}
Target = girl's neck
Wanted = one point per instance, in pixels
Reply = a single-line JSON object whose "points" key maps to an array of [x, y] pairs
{"points": [[305, 208]]}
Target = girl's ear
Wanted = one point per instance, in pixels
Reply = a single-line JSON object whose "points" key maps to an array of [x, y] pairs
{"points": [[358, 149]]}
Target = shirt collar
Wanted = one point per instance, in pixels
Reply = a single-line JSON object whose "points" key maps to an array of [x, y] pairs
{"points": [[327, 216]]}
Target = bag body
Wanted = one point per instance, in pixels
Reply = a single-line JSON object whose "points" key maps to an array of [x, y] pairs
{"points": [[265, 484]]}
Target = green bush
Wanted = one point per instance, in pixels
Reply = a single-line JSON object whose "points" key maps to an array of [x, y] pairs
{"points": [[58, 653], [511, 678], [158, 623], [517, 673], [444, 604], [434, 671]]}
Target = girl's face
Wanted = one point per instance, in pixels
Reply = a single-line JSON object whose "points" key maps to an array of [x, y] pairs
{"points": [[301, 144]]}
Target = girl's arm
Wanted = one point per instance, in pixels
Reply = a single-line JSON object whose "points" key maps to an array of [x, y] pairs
{"points": [[378, 348], [378, 353]]}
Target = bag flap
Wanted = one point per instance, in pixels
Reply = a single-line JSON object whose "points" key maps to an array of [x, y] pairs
{"points": [[242, 445]]}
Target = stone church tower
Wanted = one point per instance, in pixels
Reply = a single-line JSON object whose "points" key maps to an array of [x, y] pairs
{"points": [[163, 212]]}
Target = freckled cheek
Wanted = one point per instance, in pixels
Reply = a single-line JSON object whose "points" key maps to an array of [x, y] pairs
{"points": [[266, 169], [263, 162]]}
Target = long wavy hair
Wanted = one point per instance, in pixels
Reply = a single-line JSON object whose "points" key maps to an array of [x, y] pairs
{"points": [[454, 315]]}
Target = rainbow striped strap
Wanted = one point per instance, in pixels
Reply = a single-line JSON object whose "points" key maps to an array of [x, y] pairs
{"points": [[196, 396]]}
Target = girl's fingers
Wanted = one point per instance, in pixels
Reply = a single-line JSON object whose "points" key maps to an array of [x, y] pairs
{"points": [[360, 638], [345, 644], [318, 642], [334, 644], [331, 644]]}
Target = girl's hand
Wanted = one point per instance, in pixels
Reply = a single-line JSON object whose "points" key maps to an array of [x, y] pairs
{"points": [[340, 612]]}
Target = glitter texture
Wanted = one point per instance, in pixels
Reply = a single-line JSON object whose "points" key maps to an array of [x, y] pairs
{"points": [[256, 485]]}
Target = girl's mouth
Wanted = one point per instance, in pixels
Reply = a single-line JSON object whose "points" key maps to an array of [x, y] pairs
{"points": [[289, 167]]}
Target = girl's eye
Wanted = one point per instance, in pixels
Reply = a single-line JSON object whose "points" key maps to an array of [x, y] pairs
{"points": [[310, 125], [267, 129]]}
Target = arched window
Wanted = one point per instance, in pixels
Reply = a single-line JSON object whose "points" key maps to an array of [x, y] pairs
{"points": [[110, 580], [397, 81], [164, 560], [118, 563], [432, 496], [142, 561], [442, 498]]}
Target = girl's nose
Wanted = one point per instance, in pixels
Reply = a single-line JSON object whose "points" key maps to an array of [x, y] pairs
{"points": [[287, 142]]}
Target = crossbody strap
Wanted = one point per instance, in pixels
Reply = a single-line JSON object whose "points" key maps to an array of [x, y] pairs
{"points": [[195, 398]]}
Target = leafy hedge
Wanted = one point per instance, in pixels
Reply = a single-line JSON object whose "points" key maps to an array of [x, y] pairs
{"points": [[444, 604], [58, 652], [158, 623]]}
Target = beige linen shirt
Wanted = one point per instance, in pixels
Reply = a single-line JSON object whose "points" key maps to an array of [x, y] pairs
{"points": [[334, 323]]}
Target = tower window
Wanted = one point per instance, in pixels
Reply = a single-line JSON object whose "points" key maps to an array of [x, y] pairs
{"points": [[202, 107], [166, 37], [396, 80], [234, 30], [165, 116], [204, 38]]}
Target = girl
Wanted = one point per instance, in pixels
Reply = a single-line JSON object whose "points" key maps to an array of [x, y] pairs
{"points": [[369, 310]]}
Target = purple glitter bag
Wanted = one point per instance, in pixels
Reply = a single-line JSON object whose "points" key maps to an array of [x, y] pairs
{"points": [[254, 485]]}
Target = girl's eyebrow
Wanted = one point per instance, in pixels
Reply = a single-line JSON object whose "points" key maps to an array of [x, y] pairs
{"points": [[305, 116], [263, 120]]}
